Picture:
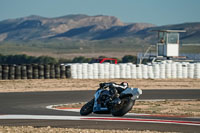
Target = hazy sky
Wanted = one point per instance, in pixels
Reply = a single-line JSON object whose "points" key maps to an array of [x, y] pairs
{"points": [[159, 12]]}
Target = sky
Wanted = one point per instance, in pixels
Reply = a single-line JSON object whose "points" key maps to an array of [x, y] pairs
{"points": [[159, 12]]}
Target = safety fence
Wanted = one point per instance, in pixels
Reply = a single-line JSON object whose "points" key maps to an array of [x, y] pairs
{"points": [[150, 71], [34, 71]]}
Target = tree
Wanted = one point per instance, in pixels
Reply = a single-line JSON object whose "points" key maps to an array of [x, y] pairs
{"points": [[24, 59], [79, 59], [46, 60], [129, 58]]}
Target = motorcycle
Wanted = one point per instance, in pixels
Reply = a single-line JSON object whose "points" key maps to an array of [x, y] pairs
{"points": [[102, 103]]}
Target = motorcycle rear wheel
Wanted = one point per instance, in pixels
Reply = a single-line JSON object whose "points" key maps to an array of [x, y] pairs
{"points": [[87, 108], [124, 107]]}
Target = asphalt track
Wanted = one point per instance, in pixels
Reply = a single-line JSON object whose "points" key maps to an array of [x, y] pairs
{"points": [[34, 103]]}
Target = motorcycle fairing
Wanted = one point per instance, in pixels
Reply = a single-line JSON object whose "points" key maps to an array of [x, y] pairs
{"points": [[97, 106], [135, 92]]}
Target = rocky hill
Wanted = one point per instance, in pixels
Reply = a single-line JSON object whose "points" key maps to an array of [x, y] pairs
{"points": [[36, 27], [70, 26], [83, 27]]}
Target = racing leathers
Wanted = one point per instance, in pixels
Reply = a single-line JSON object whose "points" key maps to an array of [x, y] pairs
{"points": [[115, 90]]}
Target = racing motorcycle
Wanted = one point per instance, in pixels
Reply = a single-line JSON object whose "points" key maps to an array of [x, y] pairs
{"points": [[102, 103]]}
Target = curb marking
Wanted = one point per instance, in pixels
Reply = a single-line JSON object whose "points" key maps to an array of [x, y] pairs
{"points": [[116, 119], [128, 114]]}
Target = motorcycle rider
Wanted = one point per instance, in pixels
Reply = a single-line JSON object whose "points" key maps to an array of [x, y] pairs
{"points": [[115, 90]]}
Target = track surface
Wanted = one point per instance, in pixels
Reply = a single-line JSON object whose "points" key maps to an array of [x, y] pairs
{"points": [[34, 103]]}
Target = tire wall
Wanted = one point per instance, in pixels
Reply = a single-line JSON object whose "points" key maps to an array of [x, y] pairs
{"points": [[34, 71], [171, 70]]}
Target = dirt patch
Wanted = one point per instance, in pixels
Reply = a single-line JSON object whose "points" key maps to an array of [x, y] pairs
{"points": [[30, 129], [186, 108], [93, 84]]}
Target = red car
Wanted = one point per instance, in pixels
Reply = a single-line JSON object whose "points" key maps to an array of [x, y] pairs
{"points": [[104, 60]]}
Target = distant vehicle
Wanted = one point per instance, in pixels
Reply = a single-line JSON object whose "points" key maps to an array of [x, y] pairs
{"points": [[104, 60]]}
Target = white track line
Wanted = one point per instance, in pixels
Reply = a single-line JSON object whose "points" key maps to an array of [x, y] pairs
{"points": [[78, 110], [128, 114], [116, 119]]}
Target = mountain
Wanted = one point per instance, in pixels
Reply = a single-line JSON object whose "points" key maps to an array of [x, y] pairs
{"points": [[192, 34], [84, 27], [36, 27]]}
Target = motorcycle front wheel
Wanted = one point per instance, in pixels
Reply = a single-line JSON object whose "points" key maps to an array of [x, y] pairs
{"points": [[124, 107], [87, 108]]}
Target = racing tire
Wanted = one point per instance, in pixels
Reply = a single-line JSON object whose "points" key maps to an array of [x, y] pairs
{"points": [[124, 107], [87, 108]]}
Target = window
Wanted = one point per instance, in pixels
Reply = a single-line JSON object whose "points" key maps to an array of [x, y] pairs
{"points": [[162, 37], [173, 38]]}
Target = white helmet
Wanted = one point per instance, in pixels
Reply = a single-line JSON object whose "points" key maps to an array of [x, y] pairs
{"points": [[125, 84]]}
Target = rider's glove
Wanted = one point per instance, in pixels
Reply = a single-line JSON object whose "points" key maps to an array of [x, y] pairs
{"points": [[102, 85]]}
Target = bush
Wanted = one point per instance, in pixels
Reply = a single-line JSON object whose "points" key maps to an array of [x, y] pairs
{"points": [[24, 59], [129, 58]]}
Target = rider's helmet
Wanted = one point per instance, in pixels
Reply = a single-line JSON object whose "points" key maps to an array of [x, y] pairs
{"points": [[125, 84]]}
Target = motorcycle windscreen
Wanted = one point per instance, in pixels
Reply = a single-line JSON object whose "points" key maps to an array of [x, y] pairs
{"points": [[136, 92]]}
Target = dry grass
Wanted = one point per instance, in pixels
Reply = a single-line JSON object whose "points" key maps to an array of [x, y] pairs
{"points": [[29, 129], [189, 108]]}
